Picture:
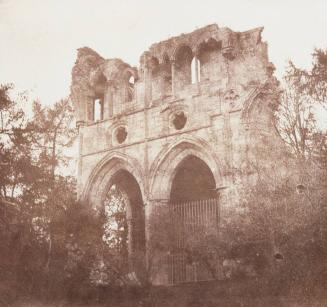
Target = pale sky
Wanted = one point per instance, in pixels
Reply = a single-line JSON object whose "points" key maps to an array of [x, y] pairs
{"points": [[39, 38]]}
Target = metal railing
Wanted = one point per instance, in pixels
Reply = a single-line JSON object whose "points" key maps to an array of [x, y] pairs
{"points": [[192, 223]]}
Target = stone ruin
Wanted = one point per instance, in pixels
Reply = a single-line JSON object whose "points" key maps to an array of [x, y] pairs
{"points": [[174, 128]]}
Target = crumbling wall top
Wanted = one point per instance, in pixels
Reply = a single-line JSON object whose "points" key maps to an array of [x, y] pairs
{"points": [[90, 67], [167, 49]]}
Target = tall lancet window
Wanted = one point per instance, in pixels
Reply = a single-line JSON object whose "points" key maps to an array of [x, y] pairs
{"points": [[195, 69], [98, 109]]}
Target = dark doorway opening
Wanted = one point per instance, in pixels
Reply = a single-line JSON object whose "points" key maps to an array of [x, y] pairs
{"points": [[193, 181], [125, 225], [194, 218]]}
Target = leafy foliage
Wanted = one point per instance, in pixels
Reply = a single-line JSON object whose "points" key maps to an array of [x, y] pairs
{"points": [[314, 81]]}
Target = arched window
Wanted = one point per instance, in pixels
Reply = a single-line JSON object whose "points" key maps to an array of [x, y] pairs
{"points": [[209, 57], [195, 69], [183, 71], [97, 109], [129, 90], [156, 73]]}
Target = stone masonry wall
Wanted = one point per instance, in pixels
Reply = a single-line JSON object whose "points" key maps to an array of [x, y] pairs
{"points": [[233, 97]]}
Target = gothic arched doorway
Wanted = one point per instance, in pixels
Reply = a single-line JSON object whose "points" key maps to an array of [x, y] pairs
{"points": [[193, 181], [194, 211], [125, 225]]}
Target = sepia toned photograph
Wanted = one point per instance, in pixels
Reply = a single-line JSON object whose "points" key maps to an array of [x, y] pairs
{"points": [[163, 153]]}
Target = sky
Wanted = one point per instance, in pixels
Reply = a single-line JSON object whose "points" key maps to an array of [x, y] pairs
{"points": [[39, 38]]}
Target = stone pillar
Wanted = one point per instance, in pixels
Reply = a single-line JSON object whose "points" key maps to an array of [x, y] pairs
{"points": [[80, 163], [162, 85], [108, 101], [197, 72], [89, 109], [147, 81], [223, 203], [173, 76], [156, 260], [149, 78], [79, 107]]}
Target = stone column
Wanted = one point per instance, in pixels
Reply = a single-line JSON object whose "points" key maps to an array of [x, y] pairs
{"points": [[162, 85], [108, 101], [80, 163], [147, 81], [223, 203], [80, 114], [89, 109], [196, 70], [156, 261], [173, 76]]}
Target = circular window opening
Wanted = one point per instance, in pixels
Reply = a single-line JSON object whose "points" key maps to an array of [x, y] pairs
{"points": [[121, 135], [179, 120]]}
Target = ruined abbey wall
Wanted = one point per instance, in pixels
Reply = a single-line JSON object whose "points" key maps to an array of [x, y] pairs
{"points": [[209, 94]]}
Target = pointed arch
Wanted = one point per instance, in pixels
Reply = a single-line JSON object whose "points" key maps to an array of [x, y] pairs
{"points": [[123, 172], [129, 78], [208, 54], [183, 56], [181, 50], [195, 68], [102, 175], [193, 181], [165, 166]]}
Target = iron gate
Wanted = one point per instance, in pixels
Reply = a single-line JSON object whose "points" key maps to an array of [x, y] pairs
{"points": [[192, 223]]}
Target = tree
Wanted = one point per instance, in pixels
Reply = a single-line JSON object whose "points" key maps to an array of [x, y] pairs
{"points": [[295, 118], [286, 208], [286, 205], [54, 132], [116, 228], [34, 194], [304, 91], [54, 193], [314, 81], [18, 170]]}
